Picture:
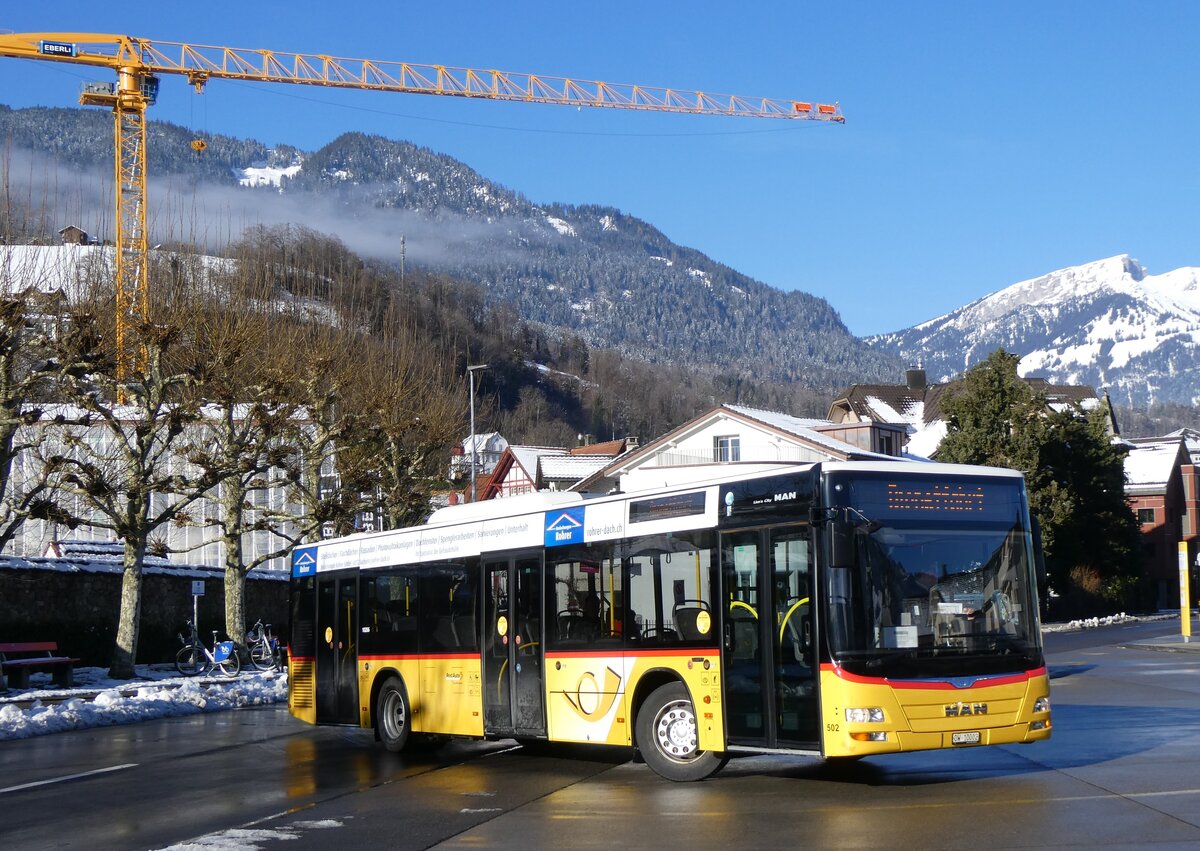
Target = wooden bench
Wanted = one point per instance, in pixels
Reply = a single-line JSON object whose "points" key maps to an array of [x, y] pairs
{"points": [[19, 659]]}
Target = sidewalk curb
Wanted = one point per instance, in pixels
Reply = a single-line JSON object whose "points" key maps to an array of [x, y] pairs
{"points": [[1177, 647]]}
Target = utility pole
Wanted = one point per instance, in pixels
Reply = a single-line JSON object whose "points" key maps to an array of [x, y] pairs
{"points": [[471, 383]]}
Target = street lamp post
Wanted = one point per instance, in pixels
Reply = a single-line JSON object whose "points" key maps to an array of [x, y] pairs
{"points": [[471, 382]]}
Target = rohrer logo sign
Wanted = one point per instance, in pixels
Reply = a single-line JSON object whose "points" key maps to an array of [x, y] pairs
{"points": [[304, 561], [564, 527]]}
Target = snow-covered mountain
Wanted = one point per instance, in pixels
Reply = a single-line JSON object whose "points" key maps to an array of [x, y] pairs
{"points": [[1109, 324]]}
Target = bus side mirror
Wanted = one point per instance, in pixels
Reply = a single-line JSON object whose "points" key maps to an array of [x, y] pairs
{"points": [[1039, 555], [841, 545]]}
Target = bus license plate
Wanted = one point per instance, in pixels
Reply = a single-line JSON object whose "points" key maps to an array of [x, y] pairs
{"points": [[971, 738]]}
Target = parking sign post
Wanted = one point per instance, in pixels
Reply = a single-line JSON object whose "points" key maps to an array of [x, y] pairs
{"points": [[197, 593]]}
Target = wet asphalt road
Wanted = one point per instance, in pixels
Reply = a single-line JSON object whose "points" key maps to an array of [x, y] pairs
{"points": [[1121, 771]]}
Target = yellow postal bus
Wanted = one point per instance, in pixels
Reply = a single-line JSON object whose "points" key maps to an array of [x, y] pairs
{"points": [[840, 609]]}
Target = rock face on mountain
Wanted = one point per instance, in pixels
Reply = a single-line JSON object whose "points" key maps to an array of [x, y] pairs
{"points": [[611, 278], [1106, 323]]}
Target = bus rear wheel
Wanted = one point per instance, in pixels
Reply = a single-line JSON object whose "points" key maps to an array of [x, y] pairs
{"points": [[393, 719], [668, 736]]}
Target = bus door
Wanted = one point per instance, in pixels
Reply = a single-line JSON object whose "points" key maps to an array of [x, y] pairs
{"points": [[769, 647], [513, 673], [337, 650]]}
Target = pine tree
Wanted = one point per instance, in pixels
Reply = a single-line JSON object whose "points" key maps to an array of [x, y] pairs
{"points": [[1074, 473]]}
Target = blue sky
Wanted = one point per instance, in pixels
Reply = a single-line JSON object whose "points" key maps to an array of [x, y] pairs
{"points": [[984, 143]]}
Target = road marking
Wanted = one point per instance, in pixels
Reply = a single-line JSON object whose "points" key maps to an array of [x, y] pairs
{"points": [[68, 777]]}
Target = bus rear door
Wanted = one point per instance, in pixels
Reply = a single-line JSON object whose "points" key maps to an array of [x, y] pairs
{"points": [[337, 650], [513, 655]]}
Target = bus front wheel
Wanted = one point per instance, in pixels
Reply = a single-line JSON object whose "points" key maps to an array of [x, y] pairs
{"points": [[668, 736], [393, 719]]}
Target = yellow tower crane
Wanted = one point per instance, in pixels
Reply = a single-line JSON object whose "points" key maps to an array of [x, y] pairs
{"points": [[137, 62]]}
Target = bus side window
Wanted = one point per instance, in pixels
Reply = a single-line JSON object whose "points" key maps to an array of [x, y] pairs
{"points": [[462, 607], [671, 585], [390, 599], [583, 585], [448, 607]]}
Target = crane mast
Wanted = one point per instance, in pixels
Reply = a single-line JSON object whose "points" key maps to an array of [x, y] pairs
{"points": [[137, 62]]}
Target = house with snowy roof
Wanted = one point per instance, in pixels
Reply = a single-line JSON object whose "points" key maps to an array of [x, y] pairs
{"points": [[1161, 487], [752, 438], [74, 235], [488, 448], [917, 405], [1191, 440], [526, 469]]}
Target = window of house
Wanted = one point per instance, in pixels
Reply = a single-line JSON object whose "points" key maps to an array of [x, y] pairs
{"points": [[727, 448], [887, 443], [1145, 515]]}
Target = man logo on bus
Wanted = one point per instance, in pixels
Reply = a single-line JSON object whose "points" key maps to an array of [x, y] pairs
{"points": [[591, 701], [958, 710]]}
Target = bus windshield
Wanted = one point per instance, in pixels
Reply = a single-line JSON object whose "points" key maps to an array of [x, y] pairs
{"points": [[934, 578]]}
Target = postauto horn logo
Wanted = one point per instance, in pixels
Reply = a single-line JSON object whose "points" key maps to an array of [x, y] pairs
{"points": [[564, 527]]}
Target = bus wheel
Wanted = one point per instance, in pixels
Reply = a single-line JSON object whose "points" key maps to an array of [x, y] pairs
{"points": [[667, 736], [392, 716]]}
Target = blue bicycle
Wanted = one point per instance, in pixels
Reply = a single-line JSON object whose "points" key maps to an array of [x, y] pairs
{"points": [[194, 658]]}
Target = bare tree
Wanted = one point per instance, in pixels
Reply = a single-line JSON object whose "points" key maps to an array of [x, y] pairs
{"points": [[118, 467], [328, 488], [411, 410], [28, 322], [240, 439]]}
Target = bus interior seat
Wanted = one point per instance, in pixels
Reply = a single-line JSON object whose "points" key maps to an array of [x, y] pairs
{"points": [[745, 635], [570, 624], [686, 615], [443, 633], [464, 632]]}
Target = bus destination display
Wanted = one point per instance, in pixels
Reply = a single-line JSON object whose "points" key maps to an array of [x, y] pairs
{"points": [[911, 496], [902, 498]]}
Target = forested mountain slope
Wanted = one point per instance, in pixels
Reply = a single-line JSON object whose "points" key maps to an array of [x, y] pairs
{"points": [[609, 277]]}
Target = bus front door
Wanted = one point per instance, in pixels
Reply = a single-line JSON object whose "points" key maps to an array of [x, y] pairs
{"points": [[769, 642], [337, 650], [514, 681]]}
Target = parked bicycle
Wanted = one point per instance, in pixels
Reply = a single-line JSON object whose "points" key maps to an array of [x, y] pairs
{"points": [[263, 647], [194, 658]]}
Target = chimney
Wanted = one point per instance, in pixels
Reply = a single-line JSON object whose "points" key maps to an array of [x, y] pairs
{"points": [[915, 378]]}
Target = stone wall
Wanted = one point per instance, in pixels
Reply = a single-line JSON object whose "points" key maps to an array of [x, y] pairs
{"points": [[77, 604]]}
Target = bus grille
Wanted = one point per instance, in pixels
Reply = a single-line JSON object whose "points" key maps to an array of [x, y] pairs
{"points": [[300, 677]]}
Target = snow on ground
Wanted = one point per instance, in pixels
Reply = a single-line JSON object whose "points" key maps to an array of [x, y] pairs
{"points": [[561, 226], [252, 838], [157, 693], [1110, 620], [267, 175]]}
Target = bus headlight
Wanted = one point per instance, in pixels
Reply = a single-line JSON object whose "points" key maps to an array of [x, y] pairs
{"points": [[860, 715], [1042, 704]]}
